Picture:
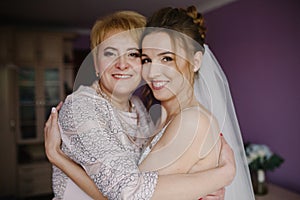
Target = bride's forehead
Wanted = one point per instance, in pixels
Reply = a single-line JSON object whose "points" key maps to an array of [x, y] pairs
{"points": [[157, 45], [158, 40]]}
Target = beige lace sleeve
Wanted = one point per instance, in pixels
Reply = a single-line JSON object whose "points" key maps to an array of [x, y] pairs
{"points": [[92, 136]]}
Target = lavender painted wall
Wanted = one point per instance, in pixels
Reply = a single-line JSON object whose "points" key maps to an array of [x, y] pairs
{"points": [[257, 42]]}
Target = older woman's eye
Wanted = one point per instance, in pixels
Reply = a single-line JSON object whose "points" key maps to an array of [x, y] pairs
{"points": [[134, 54], [167, 59], [109, 54]]}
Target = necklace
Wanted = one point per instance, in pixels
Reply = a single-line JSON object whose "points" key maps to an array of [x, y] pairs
{"points": [[99, 91], [129, 120]]}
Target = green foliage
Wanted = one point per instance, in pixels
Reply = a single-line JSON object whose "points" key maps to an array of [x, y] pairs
{"points": [[260, 157], [266, 164]]}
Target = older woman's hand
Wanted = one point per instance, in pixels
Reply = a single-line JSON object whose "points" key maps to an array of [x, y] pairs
{"points": [[52, 134]]}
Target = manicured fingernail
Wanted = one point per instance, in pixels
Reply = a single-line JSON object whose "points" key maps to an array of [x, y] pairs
{"points": [[53, 110], [200, 199], [221, 134]]}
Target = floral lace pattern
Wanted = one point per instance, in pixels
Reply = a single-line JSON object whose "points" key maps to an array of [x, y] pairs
{"points": [[94, 137]]}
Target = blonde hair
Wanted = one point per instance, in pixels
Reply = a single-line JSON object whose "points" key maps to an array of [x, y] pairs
{"points": [[121, 20]]}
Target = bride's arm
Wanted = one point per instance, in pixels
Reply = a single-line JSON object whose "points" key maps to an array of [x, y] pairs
{"points": [[190, 144], [177, 186], [193, 186]]}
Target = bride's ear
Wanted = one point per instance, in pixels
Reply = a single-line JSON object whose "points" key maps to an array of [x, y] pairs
{"points": [[197, 60]]}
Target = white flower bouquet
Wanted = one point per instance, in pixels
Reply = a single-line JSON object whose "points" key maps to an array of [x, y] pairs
{"points": [[259, 156]]}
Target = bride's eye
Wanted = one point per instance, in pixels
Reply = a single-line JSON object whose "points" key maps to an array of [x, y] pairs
{"points": [[146, 60], [167, 59]]}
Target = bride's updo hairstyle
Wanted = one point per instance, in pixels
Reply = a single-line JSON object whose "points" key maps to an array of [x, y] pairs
{"points": [[186, 21]]}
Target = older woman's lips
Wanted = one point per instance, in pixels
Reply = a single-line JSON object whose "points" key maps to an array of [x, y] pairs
{"points": [[122, 76]]}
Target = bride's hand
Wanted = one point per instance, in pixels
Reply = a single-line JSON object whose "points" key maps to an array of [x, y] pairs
{"points": [[52, 134], [227, 160], [218, 195]]}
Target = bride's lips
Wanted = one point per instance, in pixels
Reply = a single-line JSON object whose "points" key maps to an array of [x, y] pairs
{"points": [[121, 76], [157, 85]]}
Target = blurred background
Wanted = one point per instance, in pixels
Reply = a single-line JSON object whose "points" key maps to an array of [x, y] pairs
{"points": [[43, 43]]}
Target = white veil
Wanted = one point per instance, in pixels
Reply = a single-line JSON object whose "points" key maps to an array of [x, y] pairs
{"points": [[212, 91]]}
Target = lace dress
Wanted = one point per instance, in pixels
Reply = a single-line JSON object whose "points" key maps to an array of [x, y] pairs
{"points": [[94, 136]]}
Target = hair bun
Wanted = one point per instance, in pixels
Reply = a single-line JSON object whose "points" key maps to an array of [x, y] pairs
{"points": [[198, 20]]}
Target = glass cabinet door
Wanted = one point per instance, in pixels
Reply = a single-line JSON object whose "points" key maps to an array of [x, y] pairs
{"points": [[51, 89], [27, 99]]}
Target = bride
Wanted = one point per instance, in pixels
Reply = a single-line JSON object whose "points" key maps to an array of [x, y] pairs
{"points": [[170, 41]]}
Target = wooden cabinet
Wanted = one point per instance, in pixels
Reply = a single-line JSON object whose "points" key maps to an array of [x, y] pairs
{"points": [[33, 70], [34, 179], [8, 127], [39, 57], [6, 45], [25, 44], [39, 88], [36, 46]]}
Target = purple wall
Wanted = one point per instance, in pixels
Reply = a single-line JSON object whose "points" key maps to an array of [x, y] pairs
{"points": [[257, 43], [82, 42]]}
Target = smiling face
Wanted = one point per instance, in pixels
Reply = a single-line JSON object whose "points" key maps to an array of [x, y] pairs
{"points": [[118, 63], [165, 66]]}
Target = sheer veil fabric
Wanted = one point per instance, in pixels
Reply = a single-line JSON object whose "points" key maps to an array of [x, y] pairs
{"points": [[212, 91]]}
